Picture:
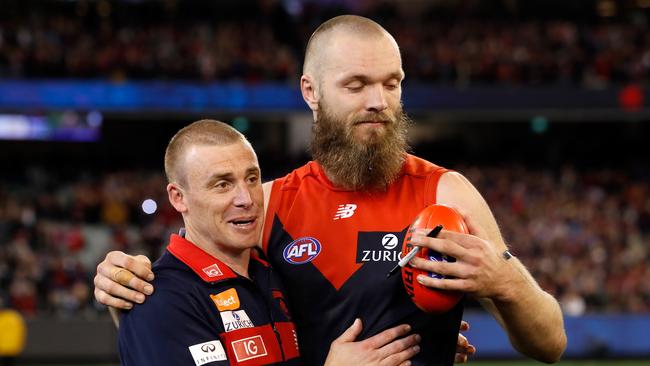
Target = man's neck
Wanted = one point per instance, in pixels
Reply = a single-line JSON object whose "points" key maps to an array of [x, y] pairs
{"points": [[237, 260]]}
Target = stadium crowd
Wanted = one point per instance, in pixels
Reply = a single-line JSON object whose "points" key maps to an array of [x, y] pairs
{"points": [[584, 235], [267, 46]]}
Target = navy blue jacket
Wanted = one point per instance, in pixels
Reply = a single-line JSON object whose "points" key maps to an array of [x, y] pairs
{"points": [[203, 313]]}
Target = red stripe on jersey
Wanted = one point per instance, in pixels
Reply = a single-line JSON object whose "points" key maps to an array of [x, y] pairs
{"points": [[289, 339]]}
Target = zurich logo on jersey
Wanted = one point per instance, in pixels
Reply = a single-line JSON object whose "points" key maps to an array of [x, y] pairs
{"points": [[302, 250]]}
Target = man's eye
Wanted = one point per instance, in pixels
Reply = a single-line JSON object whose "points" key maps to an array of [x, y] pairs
{"points": [[354, 87], [222, 185], [253, 179]]}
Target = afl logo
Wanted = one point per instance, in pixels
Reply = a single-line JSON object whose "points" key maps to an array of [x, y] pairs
{"points": [[302, 250]]}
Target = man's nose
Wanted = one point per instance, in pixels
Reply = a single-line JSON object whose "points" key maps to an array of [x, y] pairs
{"points": [[243, 196], [376, 99]]}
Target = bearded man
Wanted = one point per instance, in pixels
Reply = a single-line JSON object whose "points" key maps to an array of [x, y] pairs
{"points": [[330, 224]]}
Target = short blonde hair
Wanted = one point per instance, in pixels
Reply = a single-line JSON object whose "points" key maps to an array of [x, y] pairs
{"points": [[203, 132]]}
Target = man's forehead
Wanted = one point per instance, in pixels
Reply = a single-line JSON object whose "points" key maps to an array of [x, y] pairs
{"points": [[352, 54], [221, 159]]}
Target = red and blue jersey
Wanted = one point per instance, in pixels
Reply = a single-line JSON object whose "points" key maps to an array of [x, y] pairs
{"points": [[333, 249], [203, 313]]}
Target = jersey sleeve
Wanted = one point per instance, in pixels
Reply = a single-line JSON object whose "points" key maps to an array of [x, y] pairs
{"points": [[170, 328], [271, 210], [431, 185]]}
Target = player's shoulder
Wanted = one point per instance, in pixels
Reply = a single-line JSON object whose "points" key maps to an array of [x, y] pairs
{"points": [[173, 279], [175, 290], [419, 167], [296, 177]]}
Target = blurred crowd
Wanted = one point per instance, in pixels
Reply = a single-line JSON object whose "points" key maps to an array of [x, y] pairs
{"points": [[584, 235], [267, 43], [54, 231]]}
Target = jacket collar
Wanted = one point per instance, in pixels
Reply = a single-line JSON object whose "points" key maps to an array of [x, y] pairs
{"points": [[209, 268]]}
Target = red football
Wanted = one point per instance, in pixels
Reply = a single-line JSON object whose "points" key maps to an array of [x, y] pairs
{"points": [[427, 299]]}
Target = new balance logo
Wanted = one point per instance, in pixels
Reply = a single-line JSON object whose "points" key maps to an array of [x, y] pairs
{"points": [[345, 211]]}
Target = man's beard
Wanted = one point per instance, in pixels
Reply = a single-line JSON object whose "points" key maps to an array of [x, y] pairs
{"points": [[360, 165]]}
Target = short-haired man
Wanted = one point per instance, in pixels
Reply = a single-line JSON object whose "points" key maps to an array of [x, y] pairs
{"points": [[212, 294]]}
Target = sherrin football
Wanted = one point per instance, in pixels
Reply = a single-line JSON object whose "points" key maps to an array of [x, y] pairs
{"points": [[427, 299]]}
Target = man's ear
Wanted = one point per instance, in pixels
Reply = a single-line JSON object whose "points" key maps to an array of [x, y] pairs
{"points": [[310, 92], [176, 197]]}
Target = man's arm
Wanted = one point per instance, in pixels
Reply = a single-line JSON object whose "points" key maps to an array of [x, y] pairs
{"points": [[531, 317]]}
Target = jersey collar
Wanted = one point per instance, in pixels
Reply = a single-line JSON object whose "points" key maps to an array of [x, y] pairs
{"points": [[209, 268]]}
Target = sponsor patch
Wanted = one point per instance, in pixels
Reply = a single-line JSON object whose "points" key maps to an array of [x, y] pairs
{"points": [[207, 352], [227, 300], [302, 250], [378, 246], [213, 271], [233, 320], [249, 348]]}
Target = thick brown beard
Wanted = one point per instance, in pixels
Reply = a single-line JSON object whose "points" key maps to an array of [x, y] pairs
{"points": [[355, 165]]}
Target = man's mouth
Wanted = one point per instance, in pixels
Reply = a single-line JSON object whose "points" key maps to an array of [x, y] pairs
{"points": [[243, 222], [371, 123]]}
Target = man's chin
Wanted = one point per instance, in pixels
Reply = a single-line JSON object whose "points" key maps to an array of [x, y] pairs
{"points": [[369, 135]]}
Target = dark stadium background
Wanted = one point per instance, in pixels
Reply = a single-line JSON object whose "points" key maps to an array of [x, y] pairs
{"points": [[542, 104]]}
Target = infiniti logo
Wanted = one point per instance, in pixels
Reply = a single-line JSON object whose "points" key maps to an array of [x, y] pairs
{"points": [[208, 347]]}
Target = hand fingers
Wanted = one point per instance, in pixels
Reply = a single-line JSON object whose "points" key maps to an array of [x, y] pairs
{"points": [[144, 260], [401, 349], [121, 276], [467, 350], [113, 289], [464, 326], [351, 333], [401, 358], [387, 336], [457, 269], [470, 350], [440, 245], [140, 265], [108, 300], [452, 284], [462, 342], [462, 239], [460, 358]]}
